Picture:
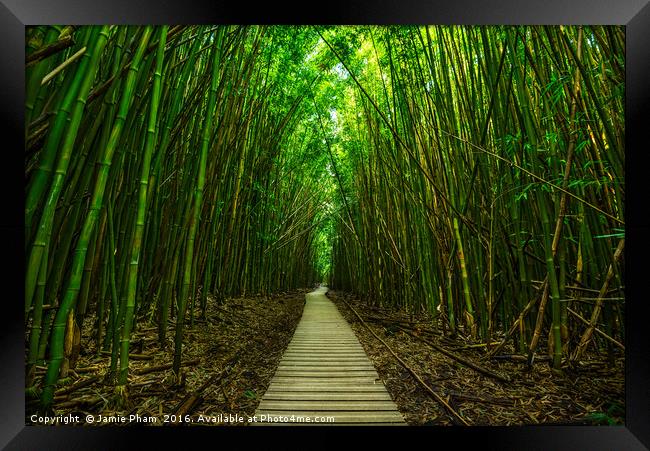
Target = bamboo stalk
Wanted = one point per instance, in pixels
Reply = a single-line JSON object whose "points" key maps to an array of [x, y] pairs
{"points": [[586, 335], [63, 65]]}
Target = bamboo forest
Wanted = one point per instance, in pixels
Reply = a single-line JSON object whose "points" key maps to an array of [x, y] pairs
{"points": [[418, 225]]}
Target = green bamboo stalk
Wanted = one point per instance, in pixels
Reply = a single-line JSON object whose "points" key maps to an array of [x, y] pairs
{"points": [[83, 79], [73, 285], [196, 209], [141, 212]]}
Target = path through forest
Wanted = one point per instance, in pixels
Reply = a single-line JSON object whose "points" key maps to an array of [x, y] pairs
{"points": [[460, 189], [325, 375]]}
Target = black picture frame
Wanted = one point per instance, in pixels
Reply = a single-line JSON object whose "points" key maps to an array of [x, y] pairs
{"points": [[635, 14]]}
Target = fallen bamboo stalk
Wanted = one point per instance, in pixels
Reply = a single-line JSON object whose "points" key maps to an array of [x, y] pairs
{"points": [[194, 399], [460, 359], [153, 369], [76, 386], [149, 329], [133, 356], [436, 396], [145, 383], [502, 402], [597, 330], [477, 345], [86, 369], [520, 358], [188, 404]]}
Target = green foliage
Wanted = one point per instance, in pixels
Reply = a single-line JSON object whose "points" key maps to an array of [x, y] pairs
{"points": [[614, 415], [423, 109], [250, 394], [410, 164]]}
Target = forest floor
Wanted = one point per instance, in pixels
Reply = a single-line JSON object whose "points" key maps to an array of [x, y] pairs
{"points": [[235, 350], [238, 345], [591, 393]]}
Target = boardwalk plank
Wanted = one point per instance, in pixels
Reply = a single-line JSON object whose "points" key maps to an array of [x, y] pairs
{"points": [[320, 396], [325, 372], [327, 367], [311, 388], [328, 405]]}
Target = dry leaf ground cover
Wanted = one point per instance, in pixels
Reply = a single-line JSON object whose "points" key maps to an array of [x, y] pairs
{"points": [[588, 394], [231, 356], [239, 344]]}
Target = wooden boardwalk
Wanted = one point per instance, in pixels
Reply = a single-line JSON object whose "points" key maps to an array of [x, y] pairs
{"points": [[325, 372]]}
